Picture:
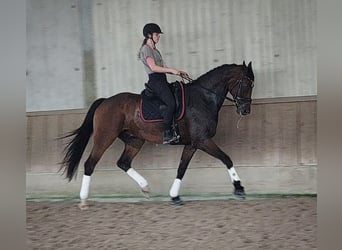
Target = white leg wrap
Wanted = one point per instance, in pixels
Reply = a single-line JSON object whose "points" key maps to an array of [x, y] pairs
{"points": [[174, 191], [137, 177], [233, 175], [85, 187]]}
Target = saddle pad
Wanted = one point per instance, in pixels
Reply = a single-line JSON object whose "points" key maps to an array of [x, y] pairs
{"points": [[149, 110]]}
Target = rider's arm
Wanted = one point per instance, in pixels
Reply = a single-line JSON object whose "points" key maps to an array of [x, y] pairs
{"points": [[158, 69]]}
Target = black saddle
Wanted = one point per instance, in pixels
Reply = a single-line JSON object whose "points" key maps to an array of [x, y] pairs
{"points": [[151, 105]]}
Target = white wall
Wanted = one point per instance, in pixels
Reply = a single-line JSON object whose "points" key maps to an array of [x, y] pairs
{"points": [[54, 62], [278, 36]]}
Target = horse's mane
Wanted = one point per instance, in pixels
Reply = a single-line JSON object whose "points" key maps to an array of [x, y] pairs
{"points": [[223, 69]]}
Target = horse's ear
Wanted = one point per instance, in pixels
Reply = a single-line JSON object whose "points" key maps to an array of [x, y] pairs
{"points": [[244, 64], [250, 65]]}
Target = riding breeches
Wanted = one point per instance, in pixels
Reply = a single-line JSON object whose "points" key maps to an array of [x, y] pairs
{"points": [[158, 83]]}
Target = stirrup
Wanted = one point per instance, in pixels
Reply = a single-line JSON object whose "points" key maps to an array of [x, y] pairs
{"points": [[172, 137], [171, 140]]}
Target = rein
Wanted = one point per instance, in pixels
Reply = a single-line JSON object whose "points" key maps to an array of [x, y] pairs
{"points": [[225, 97], [234, 99]]}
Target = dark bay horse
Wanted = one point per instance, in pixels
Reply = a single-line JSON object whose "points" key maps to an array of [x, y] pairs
{"points": [[118, 117]]}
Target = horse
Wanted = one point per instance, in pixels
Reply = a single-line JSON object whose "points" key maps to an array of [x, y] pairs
{"points": [[118, 117]]}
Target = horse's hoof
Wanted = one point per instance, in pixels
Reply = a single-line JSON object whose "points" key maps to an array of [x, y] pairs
{"points": [[239, 191], [146, 192], [83, 205], [239, 194], [176, 201]]}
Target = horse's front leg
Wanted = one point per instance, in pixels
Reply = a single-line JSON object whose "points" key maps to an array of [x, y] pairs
{"points": [[211, 148], [187, 154]]}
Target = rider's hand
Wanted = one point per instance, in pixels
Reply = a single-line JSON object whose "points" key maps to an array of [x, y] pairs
{"points": [[181, 73], [184, 75]]}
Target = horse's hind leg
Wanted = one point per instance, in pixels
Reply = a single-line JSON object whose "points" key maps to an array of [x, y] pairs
{"points": [[101, 143], [132, 148], [187, 154]]}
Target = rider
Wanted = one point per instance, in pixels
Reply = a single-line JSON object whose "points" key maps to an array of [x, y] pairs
{"points": [[156, 70]]}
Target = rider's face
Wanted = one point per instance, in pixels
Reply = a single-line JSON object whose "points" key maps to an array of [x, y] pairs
{"points": [[156, 37]]}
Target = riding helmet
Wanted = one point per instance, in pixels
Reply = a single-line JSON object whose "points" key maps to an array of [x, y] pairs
{"points": [[151, 28]]}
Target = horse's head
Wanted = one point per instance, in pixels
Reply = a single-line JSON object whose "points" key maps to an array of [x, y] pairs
{"points": [[242, 90]]}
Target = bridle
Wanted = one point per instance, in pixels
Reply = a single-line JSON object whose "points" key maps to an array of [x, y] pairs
{"points": [[236, 99]]}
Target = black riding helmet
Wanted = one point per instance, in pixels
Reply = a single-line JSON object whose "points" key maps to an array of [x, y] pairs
{"points": [[151, 28]]}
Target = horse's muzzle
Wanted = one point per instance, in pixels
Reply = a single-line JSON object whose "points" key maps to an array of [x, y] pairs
{"points": [[243, 108]]}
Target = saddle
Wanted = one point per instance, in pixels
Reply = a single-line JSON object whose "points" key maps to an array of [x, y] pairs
{"points": [[151, 106]]}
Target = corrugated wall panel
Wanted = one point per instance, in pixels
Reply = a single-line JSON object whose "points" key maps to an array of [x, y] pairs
{"points": [[278, 36]]}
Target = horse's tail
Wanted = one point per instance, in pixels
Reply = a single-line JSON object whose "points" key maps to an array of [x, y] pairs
{"points": [[76, 146]]}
